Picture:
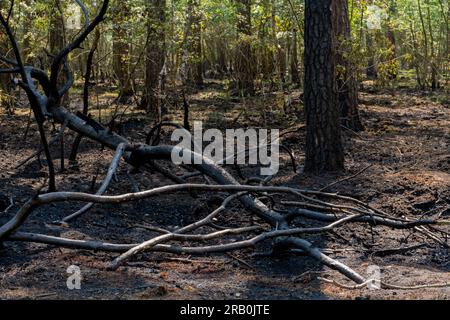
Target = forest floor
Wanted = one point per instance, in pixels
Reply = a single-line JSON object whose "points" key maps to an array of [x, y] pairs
{"points": [[406, 144]]}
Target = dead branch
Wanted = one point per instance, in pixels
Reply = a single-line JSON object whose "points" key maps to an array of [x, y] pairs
{"points": [[332, 209], [329, 262], [105, 184], [254, 206], [384, 285]]}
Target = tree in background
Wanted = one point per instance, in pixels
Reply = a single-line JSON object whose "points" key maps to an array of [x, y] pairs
{"points": [[345, 73], [195, 76], [324, 150], [121, 50], [5, 79], [155, 57], [57, 37], [244, 63]]}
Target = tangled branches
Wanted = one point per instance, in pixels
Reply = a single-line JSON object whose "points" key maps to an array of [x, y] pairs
{"points": [[276, 221], [279, 227]]}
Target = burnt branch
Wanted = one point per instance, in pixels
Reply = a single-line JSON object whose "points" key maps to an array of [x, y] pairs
{"points": [[330, 211]]}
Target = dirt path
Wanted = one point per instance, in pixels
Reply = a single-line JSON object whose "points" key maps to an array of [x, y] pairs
{"points": [[407, 144]]}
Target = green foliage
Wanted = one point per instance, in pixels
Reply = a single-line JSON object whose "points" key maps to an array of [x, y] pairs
{"points": [[406, 39]]}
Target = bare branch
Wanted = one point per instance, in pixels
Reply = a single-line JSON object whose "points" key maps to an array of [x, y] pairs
{"points": [[111, 171]]}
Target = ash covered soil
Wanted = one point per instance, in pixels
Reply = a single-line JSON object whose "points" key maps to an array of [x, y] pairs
{"points": [[406, 144]]}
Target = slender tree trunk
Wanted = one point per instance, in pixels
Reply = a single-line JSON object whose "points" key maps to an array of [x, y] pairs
{"points": [[279, 53], [444, 39], [433, 64], [391, 41], [27, 27], [57, 30], [121, 52], [57, 41], [295, 74], [244, 62], [416, 54], [346, 82], [324, 150], [221, 58], [155, 60], [5, 79], [87, 84], [371, 70], [425, 40], [195, 45]]}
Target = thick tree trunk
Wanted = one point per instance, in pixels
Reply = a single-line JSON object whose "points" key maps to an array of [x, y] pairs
{"points": [[244, 68], [324, 151], [121, 52], [155, 60], [346, 82]]}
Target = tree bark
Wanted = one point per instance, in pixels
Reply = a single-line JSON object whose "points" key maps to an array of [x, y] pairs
{"points": [[346, 82], [5, 79], [244, 68], [195, 45], [371, 70], [295, 74], [121, 52], [391, 41], [57, 39], [155, 60], [324, 151]]}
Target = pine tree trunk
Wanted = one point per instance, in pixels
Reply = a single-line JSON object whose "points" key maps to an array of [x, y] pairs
{"points": [[295, 74], [244, 68], [324, 150], [371, 70], [221, 59], [5, 79], [155, 59], [346, 82], [121, 52], [390, 37], [27, 28], [195, 45], [57, 39]]}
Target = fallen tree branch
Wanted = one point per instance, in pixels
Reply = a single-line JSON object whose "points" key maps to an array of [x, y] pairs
{"points": [[105, 184], [384, 285], [170, 236], [255, 206], [46, 105]]}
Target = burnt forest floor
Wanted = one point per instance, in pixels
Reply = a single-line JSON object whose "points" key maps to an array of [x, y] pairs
{"points": [[405, 148]]}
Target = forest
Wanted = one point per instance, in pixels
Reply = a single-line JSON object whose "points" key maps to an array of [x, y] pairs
{"points": [[335, 116]]}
